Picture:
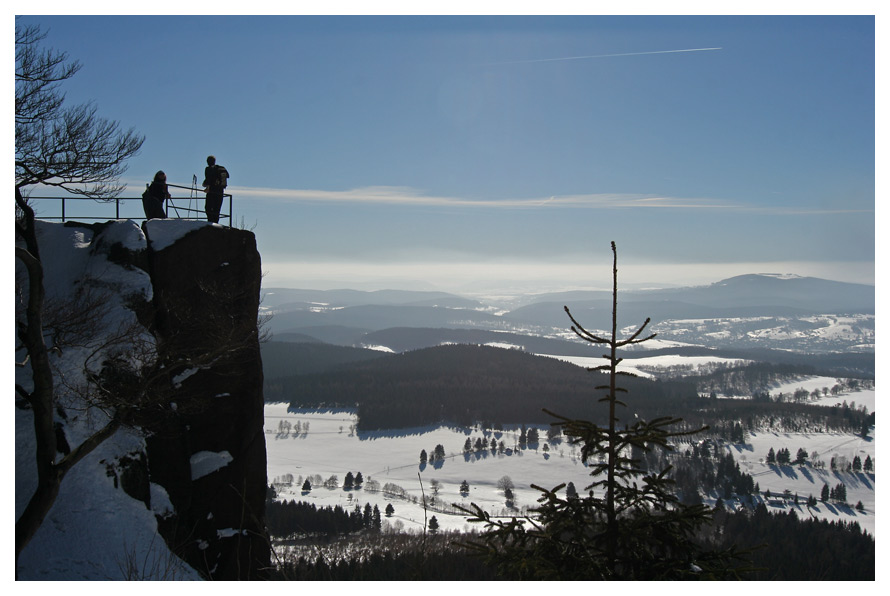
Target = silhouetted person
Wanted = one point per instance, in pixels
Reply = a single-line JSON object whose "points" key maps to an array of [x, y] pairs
{"points": [[154, 196], [215, 179]]}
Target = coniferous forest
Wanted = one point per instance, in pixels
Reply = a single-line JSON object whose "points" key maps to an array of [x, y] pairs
{"points": [[783, 547]]}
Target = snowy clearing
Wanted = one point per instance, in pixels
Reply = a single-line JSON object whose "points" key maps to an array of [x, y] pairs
{"points": [[632, 365], [807, 480], [329, 447]]}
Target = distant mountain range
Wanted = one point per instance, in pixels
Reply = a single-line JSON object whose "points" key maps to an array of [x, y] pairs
{"points": [[741, 296], [803, 314]]}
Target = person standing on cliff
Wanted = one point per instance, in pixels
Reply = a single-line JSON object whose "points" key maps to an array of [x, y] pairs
{"points": [[215, 179], [154, 196]]}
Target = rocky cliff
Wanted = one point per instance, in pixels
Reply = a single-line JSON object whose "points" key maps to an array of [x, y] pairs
{"points": [[194, 459], [211, 456]]}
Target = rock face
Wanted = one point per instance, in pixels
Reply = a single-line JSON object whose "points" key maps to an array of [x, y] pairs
{"points": [[157, 324], [210, 454]]}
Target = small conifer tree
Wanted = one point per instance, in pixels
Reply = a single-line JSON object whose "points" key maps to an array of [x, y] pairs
{"points": [[630, 525]]}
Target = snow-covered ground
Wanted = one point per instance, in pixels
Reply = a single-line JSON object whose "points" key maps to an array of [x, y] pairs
{"points": [[823, 332], [807, 480], [865, 397], [329, 447], [633, 365], [94, 531]]}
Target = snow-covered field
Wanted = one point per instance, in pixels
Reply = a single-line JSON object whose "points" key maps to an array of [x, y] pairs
{"points": [[807, 480], [866, 397], [633, 365], [329, 447]]}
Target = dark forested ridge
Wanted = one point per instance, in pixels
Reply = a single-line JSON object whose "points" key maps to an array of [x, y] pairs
{"points": [[325, 340], [465, 383], [403, 339], [286, 358], [382, 316]]}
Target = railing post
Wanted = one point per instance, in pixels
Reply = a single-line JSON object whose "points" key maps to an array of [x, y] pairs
{"points": [[117, 208], [231, 216], [63, 209]]}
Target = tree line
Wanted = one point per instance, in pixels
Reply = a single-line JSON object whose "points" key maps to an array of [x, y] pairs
{"points": [[732, 419], [290, 518], [388, 557], [786, 547], [782, 546]]}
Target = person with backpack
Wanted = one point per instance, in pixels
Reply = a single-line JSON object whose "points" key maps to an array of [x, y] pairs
{"points": [[215, 179], [154, 196]]}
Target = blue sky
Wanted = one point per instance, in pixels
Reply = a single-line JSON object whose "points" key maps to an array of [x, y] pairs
{"points": [[476, 152]]}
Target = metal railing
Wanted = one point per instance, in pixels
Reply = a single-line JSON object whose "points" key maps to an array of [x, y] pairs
{"points": [[131, 207]]}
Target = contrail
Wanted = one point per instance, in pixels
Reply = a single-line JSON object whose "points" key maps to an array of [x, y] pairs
{"points": [[604, 56]]}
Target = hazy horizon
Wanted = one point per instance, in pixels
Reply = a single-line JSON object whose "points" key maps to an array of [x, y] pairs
{"points": [[459, 278]]}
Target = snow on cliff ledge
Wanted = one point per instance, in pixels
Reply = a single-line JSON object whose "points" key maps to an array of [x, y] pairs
{"points": [[164, 232]]}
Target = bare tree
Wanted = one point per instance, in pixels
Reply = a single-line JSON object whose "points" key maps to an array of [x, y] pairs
{"points": [[505, 483], [72, 149], [66, 147]]}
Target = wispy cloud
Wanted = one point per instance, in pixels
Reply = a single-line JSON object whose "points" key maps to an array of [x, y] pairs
{"points": [[532, 61], [409, 197], [404, 196]]}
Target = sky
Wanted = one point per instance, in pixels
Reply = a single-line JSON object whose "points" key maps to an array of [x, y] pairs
{"points": [[472, 153]]}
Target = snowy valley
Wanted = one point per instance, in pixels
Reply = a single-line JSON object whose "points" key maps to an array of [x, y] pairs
{"points": [[813, 358], [318, 444]]}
